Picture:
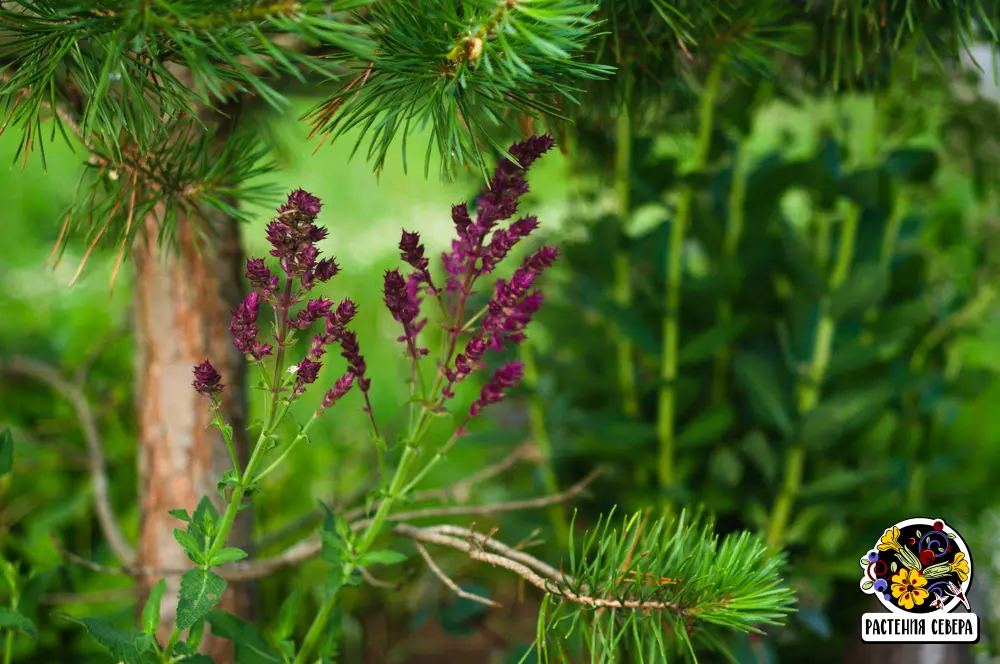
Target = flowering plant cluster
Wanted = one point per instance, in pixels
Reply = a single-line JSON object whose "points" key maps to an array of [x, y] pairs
{"points": [[482, 243]]}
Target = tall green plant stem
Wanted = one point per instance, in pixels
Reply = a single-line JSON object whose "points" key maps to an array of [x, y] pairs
{"points": [[540, 435], [668, 366], [809, 389], [271, 421], [730, 242], [622, 283], [398, 486]]}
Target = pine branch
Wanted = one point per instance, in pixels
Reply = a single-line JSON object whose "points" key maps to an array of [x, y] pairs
{"points": [[462, 69]]}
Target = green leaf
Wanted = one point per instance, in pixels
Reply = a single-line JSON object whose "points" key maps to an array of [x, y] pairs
{"points": [[205, 517], [383, 557], [763, 390], [842, 414], [912, 164], [180, 514], [835, 483], [200, 591], [151, 612], [229, 478], [707, 343], [249, 644], [867, 585], [760, 452], [726, 466], [6, 451], [128, 646], [865, 287], [287, 616], [11, 619], [228, 555], [708, 426], [193, 547]]}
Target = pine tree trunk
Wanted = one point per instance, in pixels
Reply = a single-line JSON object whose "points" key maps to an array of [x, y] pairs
{"points": [[183, 301]]}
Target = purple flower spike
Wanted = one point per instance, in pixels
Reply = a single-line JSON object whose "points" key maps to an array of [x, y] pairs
{"points": [[243, 327], [306, 374], [340, 388], [294, 236], [315, 309], [207, 380], [495, 390], [302, 201]]}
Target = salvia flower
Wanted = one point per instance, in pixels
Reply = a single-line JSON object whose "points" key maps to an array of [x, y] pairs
{"points": [[294, 236], [497, 203], [207, 380], [306, 374], [340, 388], [313, 311], [495, 390], [243, 328]]}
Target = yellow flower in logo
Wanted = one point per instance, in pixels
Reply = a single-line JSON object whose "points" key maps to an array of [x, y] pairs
{"points": [[908, 588], [960, 566], [890, 540]]}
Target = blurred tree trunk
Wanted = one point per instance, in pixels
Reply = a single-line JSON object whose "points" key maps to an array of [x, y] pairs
{"points": [[183, 301]]}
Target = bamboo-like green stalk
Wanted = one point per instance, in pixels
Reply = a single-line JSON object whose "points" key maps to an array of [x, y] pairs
{"points": [[622, 290], [668, 361], [730, 242], [809, 389], [540, 436]]}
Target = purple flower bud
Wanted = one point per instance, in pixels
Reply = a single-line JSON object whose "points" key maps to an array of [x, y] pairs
{"points": [[412, 251], [326, 269], [340, 388], [306, 374], [315, 309], [355, 361], [302, 201], [243, 328], [257, 273], [207, 380], [346, 311], [495, 390]]}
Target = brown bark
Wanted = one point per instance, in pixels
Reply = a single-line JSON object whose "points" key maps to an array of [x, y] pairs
{"points": [[183, 301]]}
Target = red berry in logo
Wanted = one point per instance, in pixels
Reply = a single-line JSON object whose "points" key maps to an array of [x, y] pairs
{"points": [[939, 525], [926, 557]]}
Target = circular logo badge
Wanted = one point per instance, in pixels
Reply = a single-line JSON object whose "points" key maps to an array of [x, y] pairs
{"points": [[918, 566]]}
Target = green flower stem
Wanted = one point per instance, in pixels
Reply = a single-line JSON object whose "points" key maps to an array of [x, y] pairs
{"points": [[277, 462], [398, 486], [730, 243], [622, 288], [809, 389], [668, 367], [540, 435]]}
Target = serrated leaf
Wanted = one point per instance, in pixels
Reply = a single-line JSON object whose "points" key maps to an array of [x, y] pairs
{"points": [[200, 591], [151, 612], [11, 619], [6, 451], [127, 646], [383, 557], [249, 644], [228, 555], [192, 546], [205, 517]]}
